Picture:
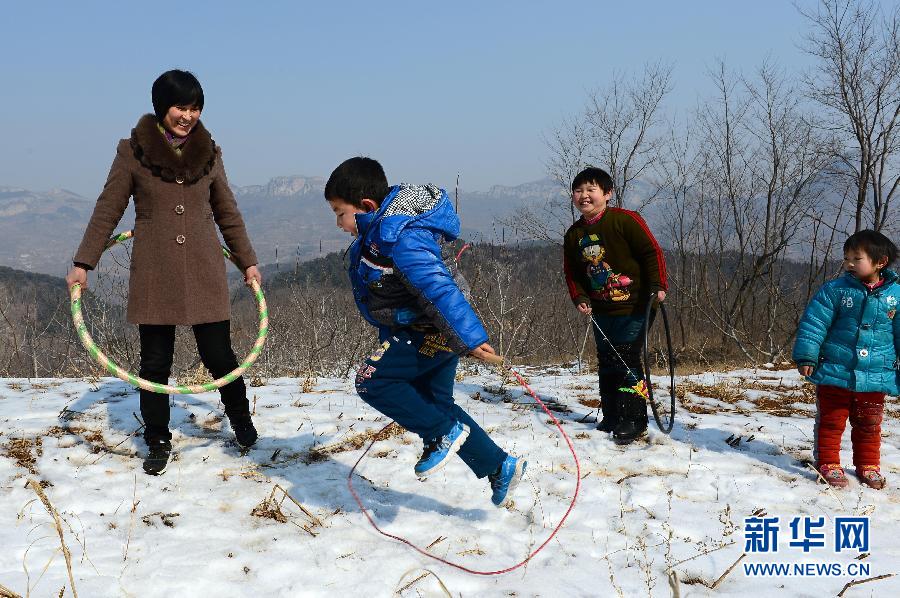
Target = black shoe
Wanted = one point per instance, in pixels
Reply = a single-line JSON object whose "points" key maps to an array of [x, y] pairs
{"points": [[244, 432], [633, 421], [158, 451]]}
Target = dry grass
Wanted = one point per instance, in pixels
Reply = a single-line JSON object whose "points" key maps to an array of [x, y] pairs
{"points": [[168, 519], [721, 391], [24, 451], [199, 375], [270, 508], [776, 407], [353, 443], [38, 489], [780, 402]]}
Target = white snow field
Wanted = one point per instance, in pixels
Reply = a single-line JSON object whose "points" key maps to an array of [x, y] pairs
{"points": [[280, 520]]}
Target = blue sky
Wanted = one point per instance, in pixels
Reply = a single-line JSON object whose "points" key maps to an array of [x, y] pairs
{"points": [[430, 89]]}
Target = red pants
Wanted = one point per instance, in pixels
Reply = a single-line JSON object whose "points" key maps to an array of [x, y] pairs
{"points": [[865, 410]]}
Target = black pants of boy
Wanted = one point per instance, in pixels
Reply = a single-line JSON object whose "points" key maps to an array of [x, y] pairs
{"points": [[618, 352], [157, 350]]}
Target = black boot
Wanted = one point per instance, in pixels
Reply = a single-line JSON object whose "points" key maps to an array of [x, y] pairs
{"points": [[610, 413], [158, 451], [609, 407], [633, 418], [244, 431]]}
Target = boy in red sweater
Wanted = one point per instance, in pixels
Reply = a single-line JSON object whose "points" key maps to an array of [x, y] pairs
{"points": [[613, 267]]}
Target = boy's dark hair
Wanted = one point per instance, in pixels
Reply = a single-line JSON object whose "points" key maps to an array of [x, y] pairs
{"points": [[876, 245], [357, 179], [598, 176], [175, 88]]}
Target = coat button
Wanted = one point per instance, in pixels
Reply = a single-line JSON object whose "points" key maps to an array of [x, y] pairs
{"points": [[863, 352], [866, 326], [180, 240], [179, 179], [179, 209]]}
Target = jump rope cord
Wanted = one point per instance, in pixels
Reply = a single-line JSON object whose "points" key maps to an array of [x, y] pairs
{"points": [[613, 347], [424, 552], [610, 343]]}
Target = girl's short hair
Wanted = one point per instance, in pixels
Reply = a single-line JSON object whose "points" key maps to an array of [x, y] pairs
{"points": [[876, 245], [176, 88]]}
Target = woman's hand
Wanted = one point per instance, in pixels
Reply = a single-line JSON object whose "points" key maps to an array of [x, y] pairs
{"points": [[251, 274], [805, 370], [485, 353], [660, 296], [585, 308], [77, 275]]}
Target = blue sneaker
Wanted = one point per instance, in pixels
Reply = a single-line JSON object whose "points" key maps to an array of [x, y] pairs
{"points": [[505, 479], [436, 452]]}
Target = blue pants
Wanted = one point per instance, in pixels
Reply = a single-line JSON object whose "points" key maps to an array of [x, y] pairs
{"points": [[410, 380]]}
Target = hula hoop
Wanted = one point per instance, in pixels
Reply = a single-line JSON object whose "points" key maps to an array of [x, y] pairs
{"points": [[664, 428], [114, 369]]}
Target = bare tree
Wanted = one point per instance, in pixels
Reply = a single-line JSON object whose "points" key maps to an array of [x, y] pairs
{"points": [[743, 183], [619, 131], [857, 80], [622, 121]]}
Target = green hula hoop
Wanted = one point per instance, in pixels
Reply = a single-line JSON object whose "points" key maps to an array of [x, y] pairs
{"points": [[115, 370]]}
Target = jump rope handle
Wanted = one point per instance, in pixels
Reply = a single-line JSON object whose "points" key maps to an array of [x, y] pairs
{"points": [[494, 359]]}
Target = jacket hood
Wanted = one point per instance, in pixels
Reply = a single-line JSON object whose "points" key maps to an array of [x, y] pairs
{"points": [[420, 206]]}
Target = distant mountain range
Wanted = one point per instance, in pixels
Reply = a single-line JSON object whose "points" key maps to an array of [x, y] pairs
{"points": [[287, 219]]}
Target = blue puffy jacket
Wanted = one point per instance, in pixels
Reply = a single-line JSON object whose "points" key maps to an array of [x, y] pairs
{"points": [[399, 278], [852, 335]]}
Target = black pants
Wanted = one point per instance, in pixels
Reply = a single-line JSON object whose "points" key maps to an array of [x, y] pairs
{"points": [[157, 349]]}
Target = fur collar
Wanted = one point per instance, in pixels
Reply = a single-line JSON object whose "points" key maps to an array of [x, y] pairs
{"points": [[151, 149]]}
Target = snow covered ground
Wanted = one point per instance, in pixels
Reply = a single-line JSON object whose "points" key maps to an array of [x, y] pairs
{"points": [[206, 528]]}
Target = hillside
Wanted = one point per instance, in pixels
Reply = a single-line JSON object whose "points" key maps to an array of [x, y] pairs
{"points": [[220, 522], [287, 219]]}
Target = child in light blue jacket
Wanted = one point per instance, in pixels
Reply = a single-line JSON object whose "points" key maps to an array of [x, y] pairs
{"points": [[848, 344]]}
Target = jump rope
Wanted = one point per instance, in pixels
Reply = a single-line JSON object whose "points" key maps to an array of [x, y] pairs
{"points": [[500, 363]]}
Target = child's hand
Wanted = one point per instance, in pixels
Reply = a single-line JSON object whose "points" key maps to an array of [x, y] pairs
{"points": [[585, 308], [805, 370], [486, 353]]}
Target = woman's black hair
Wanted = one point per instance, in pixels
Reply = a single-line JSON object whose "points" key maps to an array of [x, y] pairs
{"points": [[875, 244], [176, 88]]}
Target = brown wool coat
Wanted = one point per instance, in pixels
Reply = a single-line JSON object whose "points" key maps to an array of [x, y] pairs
{"points": [[177, 266]]}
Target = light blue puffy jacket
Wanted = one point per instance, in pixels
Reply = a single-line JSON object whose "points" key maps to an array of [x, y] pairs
{"points": [[398, 276], [852, 335]]}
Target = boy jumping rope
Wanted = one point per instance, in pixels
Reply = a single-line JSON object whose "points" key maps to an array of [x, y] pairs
{"points": [[424, 321], [613, 264], [848, 344]]}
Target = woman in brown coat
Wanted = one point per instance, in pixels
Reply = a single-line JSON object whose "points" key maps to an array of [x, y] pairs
{"points": [[173, 170]]}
